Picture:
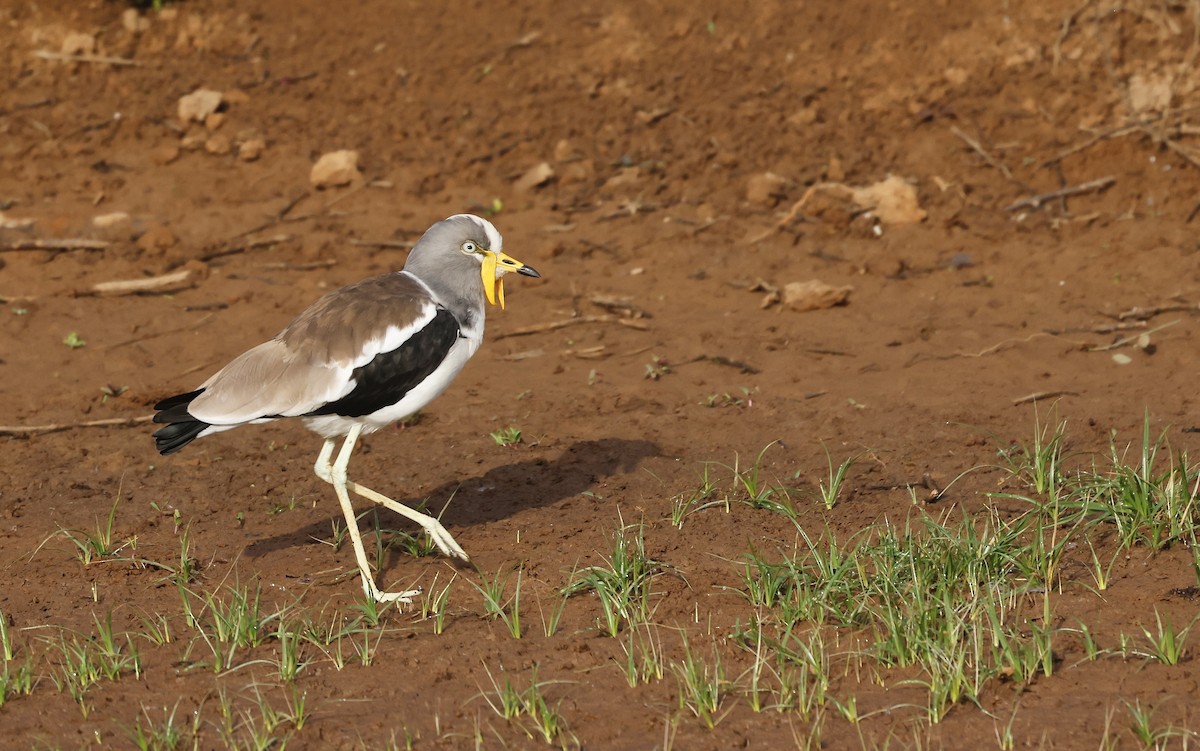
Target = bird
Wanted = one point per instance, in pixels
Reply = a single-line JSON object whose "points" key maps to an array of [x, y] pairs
{"points": [[359, 359]]}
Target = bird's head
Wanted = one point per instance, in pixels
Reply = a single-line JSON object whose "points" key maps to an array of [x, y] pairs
{"points": [[472, 240]]}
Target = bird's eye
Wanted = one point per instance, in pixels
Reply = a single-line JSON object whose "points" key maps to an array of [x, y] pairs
{"points": [[470, 247]]}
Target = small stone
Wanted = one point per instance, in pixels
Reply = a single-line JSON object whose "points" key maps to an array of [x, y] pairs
{"points": [[577, 172], [563, 150], [803, 118], [835, 172], [814, 295], [726, 159], [235, 97], [1122, 359], [133, 21], [251, 148], [335, 169], [199, 105], [164, 155], [218, 144], [626, 176], [156, 240], [78, 43], [765, 189], [214, 121], [193, 140], [534, 177], [108, 221]]}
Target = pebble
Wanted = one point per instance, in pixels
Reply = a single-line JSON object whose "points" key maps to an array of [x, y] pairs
{"points": [[534, 177], [78, 43], [218, 144], [198, 105], [765, 189], [814, 295], [156, 240], [165, 154], [133, 21], [251, 148], [334, 169]]}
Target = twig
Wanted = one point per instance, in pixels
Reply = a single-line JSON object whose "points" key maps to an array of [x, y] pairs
{"points": [[722, 360], [64, 243], [1116, 132], [309, 266], [157, 334], [1036, 202], [243, 247], [923, 357], [1181, 151], [398, 244], [1064, 32], [620, 305], [1102, 328], [1145, 314], [553, 325], [978, 149], [280, 217], [55, 427], [102, 59], [792, 213], [164, 284], [1131, 339], [1039, 395], [5, 111]]}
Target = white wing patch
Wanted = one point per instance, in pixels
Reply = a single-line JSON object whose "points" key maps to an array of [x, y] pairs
{"points": [[394, 336], [267, 381]]}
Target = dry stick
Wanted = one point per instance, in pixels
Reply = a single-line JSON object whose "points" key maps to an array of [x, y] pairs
{"points": [[1067, 22], [280, 217], [1037, 395], [553, 325], [160, 285], [1102, 328], [922, 357], [1141, 315], [5, 111], [157, 334], [1131, 339], [1036, 202], [55, 427], [309, 266], [1116, 132], [991, 160], [65, 243], [787, 218], [243, 247], [1181, 151], [722, 360], [398, 244], [102, 59]]}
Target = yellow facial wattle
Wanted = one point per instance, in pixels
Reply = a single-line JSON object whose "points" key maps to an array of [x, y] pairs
{"points": [[490, 282]]}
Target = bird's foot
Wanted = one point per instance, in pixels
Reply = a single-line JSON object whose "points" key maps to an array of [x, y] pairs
{"points": [[444, 541]]}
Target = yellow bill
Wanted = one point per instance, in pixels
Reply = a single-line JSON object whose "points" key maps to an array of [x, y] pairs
{"points": [[495, 266]]}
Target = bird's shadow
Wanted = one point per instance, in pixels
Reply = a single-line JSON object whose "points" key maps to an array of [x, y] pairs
{"points": [[497, 493]]}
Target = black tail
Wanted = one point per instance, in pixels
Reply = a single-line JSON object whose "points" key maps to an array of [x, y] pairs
{"points": [[181, 427]]}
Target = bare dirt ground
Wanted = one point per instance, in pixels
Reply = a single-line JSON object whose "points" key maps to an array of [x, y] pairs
{"points": [[697, 157]]}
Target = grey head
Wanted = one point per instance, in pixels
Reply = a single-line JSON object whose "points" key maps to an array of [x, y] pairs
{"points": [[462, 260]]}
